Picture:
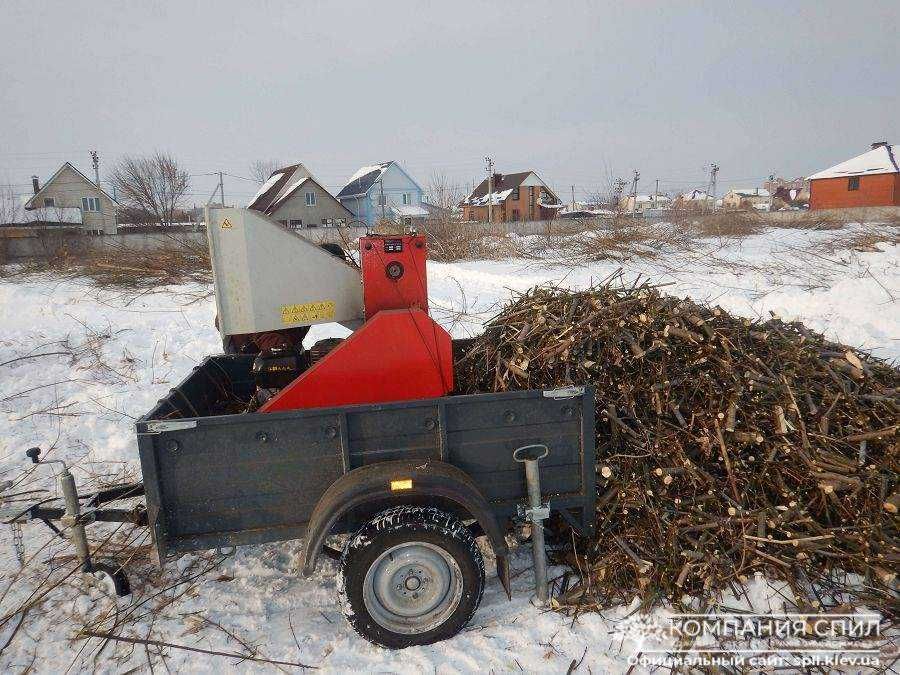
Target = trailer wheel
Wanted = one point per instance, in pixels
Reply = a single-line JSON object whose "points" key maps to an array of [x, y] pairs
{"points": [[411, 576]]}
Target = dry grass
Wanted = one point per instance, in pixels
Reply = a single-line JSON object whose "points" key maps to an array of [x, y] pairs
{"points": [[723, 224], [450, 241], [174, 261]]}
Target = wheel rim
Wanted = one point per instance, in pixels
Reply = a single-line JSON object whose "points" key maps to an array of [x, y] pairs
{"points": [[412, 587]]}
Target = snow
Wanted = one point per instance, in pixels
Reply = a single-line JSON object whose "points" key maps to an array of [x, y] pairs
{"points": [[367, 170], [877, 160], [84, 405], [695, 195], [493, 197], [409, 211], [750, 192], [274, 178]]}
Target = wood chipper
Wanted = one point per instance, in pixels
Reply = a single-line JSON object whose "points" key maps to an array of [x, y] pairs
{"points": [[274, 440]]}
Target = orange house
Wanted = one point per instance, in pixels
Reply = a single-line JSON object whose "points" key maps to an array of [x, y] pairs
{"points": [[871, 179], [514, 197]]}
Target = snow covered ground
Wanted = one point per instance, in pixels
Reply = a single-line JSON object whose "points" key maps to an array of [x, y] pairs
{"points": [[78, 364]]}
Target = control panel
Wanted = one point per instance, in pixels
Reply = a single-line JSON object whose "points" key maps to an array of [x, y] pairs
{"points": [[393, 272]]}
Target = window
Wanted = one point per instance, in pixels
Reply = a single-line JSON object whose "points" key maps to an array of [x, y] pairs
{"points": [[515, 194], [407, 199], [283, 222], [296, 222], [327, 222], [90, 204], [853, 183], [515, 215], [48, 201], [341, 222], [407, 222], [310, 198]]}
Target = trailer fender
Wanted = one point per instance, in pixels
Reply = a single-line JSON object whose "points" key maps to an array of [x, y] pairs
{"points": [[395, 482]]}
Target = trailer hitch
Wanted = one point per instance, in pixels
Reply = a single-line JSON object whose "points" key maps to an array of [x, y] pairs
{"points": [[73, 522]]}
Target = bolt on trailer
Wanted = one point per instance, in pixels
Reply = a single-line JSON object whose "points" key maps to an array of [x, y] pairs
{"points": [[364, 436]]}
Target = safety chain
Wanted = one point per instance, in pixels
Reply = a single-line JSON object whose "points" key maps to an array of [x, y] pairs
{"points": [[18, 544]]}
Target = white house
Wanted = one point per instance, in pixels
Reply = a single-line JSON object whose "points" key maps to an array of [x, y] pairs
{"points": [[294, 198], [68, 190]]}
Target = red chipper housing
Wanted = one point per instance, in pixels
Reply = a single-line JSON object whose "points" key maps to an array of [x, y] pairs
{"points": [[399, 353]]}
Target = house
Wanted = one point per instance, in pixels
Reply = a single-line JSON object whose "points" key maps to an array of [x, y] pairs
{"points": [[68, 190], [695, 200], [294, 198], [781, 187], [644, 203], [384, 191], [869, 179], [741, 198], [515, 197]]}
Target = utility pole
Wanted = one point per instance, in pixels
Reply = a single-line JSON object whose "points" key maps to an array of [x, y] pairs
{"points": [[573, 197], [382, 199], [618, 188], [95, 160], [656, 194], [713, 172], [221, 189], [634, 184], [490, 192]]}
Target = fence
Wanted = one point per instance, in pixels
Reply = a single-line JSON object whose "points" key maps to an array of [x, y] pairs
{"points": [[27, 242]]}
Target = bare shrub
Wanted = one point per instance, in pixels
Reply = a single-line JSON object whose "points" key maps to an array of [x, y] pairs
{"points": [[724, 224], [443, 193], [155, 183], [451, 241], [174, 260], [10, 205], [261, 169]]}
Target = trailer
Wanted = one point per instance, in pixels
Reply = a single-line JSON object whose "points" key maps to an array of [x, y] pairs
{"points": [[412, 482]]}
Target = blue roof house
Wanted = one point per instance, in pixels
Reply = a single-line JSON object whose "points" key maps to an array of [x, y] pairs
{"points": [[384, 192]]}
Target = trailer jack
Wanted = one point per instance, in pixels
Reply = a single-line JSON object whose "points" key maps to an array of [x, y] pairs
{"points": [[536, 513], [73, 522]]}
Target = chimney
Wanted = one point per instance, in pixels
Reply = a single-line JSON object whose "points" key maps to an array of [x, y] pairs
{"points": [[498, 178], [35, 184], [879, 144]]}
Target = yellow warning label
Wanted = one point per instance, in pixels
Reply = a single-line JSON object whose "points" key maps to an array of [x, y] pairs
{"points": [[226, 224], [405, 484], [322, 310]]}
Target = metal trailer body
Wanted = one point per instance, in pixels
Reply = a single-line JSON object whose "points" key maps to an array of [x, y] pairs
{"points": [[220, 480]]}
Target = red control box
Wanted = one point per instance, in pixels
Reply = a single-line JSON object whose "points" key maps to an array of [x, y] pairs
{"points": [[393, 273]]}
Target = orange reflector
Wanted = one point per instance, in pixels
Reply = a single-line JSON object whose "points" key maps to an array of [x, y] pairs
{"points": [[405, 484]]}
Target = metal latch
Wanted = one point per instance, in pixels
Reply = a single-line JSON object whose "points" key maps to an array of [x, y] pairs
{"points": [[564, 392], [169, 425]]}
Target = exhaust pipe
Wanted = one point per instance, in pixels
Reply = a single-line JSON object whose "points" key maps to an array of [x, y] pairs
{"points": [[536, 513]]}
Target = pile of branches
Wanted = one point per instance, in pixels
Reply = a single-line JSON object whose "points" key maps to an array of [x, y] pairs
{"points": [[725, 447]]}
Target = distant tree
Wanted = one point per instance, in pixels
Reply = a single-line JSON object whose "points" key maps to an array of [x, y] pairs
{"points": [[10, 205], [444, 193], [261, 169], [155, 183]]}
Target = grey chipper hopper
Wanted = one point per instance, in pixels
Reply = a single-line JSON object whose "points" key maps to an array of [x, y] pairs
{"points": [[269, 278]]}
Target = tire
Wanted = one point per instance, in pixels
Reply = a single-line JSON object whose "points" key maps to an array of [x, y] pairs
{"points": [[412, 575]]}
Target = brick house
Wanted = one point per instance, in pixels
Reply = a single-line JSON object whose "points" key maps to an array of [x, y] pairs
{"points": [[870, 179], [516, 197]]}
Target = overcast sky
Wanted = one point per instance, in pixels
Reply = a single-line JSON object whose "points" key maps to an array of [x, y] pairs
{"points": [[578, 92]]}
